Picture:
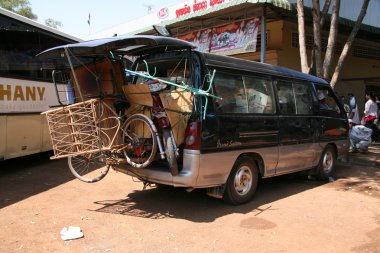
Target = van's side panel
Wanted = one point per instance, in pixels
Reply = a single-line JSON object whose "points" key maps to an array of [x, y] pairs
{"points": [[227, 136], [297, 143], [215, 167]]}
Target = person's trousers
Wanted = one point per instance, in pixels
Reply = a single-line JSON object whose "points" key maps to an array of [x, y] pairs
{"points": [[371, 124], [357, 143]]}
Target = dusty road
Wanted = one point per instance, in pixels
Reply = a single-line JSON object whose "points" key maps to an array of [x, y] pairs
{"points": [[39, 197]]}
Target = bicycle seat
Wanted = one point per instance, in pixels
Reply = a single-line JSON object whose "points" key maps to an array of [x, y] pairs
{"points": [[120, 103]]}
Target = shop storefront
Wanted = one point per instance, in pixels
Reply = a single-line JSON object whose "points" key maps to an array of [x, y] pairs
{"points": [[267, 31]]}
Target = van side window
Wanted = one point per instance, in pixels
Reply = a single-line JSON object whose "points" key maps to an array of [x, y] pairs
{"points": [[303, 98], [245, 94], [294, 98], [285, 97], [260, 95], [230, 87]]}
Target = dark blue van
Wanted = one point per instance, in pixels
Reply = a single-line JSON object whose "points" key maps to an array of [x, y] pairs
{"points": [[233, 121], [270, 121]]}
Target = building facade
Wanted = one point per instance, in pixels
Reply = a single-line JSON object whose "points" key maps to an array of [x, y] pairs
{"points": [[219, 20]]}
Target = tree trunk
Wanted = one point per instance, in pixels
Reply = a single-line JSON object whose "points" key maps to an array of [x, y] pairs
{"points": [[301, 36], [323, 15], [324, 11], [347, 46], [332, 40], [317, 38]]}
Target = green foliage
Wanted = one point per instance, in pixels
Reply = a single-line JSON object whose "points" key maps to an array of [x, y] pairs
{"points": [[53, 23], [21, 7]]}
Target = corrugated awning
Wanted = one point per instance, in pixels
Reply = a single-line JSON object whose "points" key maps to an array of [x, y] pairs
{"points": [[281, 7], [232, 5], [283, 4]]}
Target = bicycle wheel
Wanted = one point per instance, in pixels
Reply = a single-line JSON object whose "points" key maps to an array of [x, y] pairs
{"points": [[139, 136], [170, 152], [90, 167]]}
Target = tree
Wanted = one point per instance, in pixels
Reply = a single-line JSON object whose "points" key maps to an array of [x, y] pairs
{"points": [[20, 7], [53, 23], [323, 68]]}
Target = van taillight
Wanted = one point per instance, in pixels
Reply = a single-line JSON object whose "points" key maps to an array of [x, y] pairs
{"points": [[192, 140]]}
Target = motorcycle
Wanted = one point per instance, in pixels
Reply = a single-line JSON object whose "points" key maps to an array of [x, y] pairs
{"points": [[162, 123]]}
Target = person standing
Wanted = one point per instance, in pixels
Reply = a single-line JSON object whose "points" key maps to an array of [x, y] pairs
{"points": [[346, 107], [370, 114], [354, 111]]}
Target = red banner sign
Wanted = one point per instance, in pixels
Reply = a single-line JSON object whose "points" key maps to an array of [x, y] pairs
{"points": [[237, 37], [201, 39]]}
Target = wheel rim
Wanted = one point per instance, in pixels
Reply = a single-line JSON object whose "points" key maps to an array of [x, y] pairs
{"points": [[139, 136], [89, 168], [243, 180], [328, 162]]}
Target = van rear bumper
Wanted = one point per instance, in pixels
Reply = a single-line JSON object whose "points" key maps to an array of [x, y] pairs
{"points": [[187, 177]]}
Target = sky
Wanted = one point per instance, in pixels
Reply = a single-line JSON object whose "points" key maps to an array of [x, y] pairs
{"points": [[104, 14]]}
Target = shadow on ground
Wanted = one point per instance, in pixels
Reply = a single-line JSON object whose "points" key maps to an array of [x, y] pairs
{"points": [[160, 203], [24, 177], [357, 178]]}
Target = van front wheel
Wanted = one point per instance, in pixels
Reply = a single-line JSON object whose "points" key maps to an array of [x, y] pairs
{"points": [[242, 182], [327, 163]]}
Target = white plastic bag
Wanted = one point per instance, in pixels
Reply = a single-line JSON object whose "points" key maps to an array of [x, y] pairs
{"points": [[71, 233]]}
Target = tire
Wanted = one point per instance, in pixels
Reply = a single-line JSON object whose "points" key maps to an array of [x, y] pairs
{"points": [[164, 187], [170, 152], [89, 168], [242, 182], [141, 140], [326, 163]]}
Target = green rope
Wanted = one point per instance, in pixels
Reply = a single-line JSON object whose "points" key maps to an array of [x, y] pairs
{"points": [[182, 86], [195, 91]]}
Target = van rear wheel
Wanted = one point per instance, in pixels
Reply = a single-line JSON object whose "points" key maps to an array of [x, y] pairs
{"points": [[242, 182]]}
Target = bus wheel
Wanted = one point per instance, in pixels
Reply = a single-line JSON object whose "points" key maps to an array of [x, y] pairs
{"points": [[242, 182], [326, 163]]}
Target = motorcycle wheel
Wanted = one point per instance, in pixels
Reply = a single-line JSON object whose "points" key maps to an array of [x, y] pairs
{"points": [[170, 152]]}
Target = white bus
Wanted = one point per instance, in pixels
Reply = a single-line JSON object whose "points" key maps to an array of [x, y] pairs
{"points": [[25, 89]]}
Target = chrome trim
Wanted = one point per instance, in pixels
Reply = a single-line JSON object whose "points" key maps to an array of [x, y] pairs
{"points": [[187, 177], [298, 157], [212, 169], [216, 167], [252, 134]]}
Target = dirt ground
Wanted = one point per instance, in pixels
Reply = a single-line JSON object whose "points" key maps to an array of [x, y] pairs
{"points": [[39, 197]]}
